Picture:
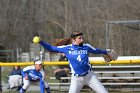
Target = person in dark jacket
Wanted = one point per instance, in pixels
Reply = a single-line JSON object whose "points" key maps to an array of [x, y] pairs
{"points": [[16, 71], [63, 70], [15, 78]]}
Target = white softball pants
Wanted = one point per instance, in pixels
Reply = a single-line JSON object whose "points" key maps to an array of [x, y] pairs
{"points": [[90, 79], [26, 84]]}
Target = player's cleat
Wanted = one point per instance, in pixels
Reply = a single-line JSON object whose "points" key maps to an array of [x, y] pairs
{"points": [[22, 90], [48, 90]]}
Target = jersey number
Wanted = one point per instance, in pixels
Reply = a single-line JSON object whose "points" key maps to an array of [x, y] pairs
{"points": [[79, 58]]}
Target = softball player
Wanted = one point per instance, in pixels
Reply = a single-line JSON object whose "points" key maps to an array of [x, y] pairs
{"points": [[32, 74], [77, 54]]}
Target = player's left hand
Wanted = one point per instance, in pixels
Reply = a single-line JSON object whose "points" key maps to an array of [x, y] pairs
{"points": [[110, 56]]}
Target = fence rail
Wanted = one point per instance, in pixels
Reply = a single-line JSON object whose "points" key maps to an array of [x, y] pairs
{"points": [[66, 63]]}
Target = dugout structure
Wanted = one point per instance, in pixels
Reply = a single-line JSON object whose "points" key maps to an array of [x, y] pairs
{"points": [[124, 35]]}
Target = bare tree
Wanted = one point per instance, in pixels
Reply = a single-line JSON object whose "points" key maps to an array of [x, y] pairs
{"points": [[20, 20]]}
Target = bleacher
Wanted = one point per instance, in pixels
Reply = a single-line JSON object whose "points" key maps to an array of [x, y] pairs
{"points": [[113, 77]]}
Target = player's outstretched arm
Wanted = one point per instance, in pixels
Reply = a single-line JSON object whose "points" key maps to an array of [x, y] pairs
{"points": [[42, 85], [37, 40]]}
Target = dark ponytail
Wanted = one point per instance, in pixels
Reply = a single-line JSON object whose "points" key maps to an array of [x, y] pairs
{"points": [[63, 42]]}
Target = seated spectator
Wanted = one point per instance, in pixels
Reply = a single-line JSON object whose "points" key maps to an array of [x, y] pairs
{"points": [[16, 71], [15, 78], [62, 71]]}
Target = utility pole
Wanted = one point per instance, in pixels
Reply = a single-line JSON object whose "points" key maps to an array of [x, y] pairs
{"points": [[0, 81], [0, 74], [66, 18]]}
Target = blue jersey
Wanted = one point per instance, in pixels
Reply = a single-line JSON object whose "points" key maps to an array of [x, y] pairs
{"points": [[77, 55], [34, 75]]}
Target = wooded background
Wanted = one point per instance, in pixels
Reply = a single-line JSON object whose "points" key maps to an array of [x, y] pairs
{"points": [[21, 20]]}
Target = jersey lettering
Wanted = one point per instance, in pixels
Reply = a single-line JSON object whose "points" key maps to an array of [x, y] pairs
{"points": [[77, 52], [79, 58], [33, 76]]}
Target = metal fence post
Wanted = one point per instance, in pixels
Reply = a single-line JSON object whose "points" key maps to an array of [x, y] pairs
{"points": [[0, 81]]}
